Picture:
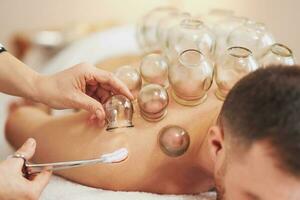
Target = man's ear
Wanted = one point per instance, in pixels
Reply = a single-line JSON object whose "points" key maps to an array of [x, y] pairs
{"points": [[216, 142]]}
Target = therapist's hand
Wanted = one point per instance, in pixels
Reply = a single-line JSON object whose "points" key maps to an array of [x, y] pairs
{"points": [[83, 87], [13, 186]]}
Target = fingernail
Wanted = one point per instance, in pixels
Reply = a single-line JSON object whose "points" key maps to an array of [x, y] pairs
{"points": [[30, 142]]}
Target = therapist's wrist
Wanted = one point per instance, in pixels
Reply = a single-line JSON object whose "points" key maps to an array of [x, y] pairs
{"points": [[34, 90], [47, 91]]}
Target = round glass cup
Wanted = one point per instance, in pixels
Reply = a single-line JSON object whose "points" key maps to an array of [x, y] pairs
{"points": [[222, 28], [191, 78], [278, 54], [147, 28], [191, 33], [153, 101], [154, 69], [131, 78], [235, 64], [253, 36], [173, 140], [119, 112], [166, 24]]}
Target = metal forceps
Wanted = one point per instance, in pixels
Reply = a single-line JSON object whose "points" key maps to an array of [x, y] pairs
{"points": [[114, 157]]}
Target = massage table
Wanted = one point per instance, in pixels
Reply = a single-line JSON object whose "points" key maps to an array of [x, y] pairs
{"points": [[94, 48]]}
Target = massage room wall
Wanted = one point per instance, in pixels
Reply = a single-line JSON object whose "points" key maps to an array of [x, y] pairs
{"points": [[282, 17]]}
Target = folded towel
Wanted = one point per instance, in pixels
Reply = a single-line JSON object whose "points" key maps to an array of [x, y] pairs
{"points": [[62, 189]]}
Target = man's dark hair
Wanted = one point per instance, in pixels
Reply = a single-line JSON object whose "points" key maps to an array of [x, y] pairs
{"points": [[265, 105]]}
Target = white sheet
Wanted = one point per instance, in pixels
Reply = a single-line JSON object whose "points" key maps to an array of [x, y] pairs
{"points": [[92, 49], [60, 189]]}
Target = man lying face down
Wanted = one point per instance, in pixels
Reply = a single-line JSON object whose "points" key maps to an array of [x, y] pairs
{"points": [[250, 150], [256, 143]]}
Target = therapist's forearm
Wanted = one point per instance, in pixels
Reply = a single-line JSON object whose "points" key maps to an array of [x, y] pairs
{"points": [[82, 86], [16, 78]]}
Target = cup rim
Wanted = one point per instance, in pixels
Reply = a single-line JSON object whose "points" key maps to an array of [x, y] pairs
{"points": [[191, 23], [247, 52], [288, 52], [189, 50]]}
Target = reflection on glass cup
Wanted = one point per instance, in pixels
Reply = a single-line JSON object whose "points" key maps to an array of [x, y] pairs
{"points": [[131, 78], [191, 77], [235, 64], [154, 69], [119, 112], [153, 100], [278, 54]]}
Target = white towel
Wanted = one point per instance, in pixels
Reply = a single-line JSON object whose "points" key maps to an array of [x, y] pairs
{"points": [[61, 189]]}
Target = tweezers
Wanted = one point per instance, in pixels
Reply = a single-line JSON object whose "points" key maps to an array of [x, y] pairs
{"points": [[114, 157]]}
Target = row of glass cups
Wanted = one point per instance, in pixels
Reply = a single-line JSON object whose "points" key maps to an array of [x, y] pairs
{"points": [[193, 73], [171, 31], [190, 78]]}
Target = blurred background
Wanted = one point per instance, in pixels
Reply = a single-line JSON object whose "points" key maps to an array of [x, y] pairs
{"points": [[19, 18]]}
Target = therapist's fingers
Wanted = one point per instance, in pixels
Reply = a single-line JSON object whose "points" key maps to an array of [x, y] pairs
{"points": [[90, 104], [40, 181], [116, 85], [27, 150]]}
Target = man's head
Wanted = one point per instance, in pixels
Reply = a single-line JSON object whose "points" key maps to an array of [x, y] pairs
{"points": [[256, 143]]}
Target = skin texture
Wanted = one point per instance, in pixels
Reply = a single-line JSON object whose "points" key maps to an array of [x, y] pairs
{"points": [[254, 174], [280, 184], [147, 167]]}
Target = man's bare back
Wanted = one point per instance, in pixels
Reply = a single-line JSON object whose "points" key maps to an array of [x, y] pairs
{"points": [[147, 168]]}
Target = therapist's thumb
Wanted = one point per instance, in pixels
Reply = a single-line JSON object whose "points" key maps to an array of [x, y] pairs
{"points": [[27, 149], [92, 105]]}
